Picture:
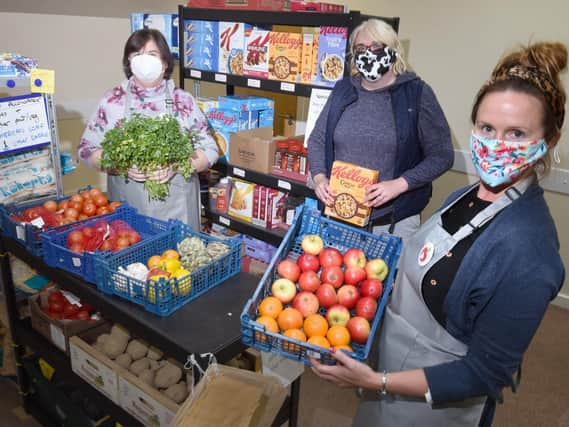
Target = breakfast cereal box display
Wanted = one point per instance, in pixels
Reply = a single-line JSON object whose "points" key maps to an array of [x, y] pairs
{"points": [[201, 44], [241, 201], [331, 55], [348, 182], [223, 122], [256, 62], [231, 44], [306, 58], [285, 50]]}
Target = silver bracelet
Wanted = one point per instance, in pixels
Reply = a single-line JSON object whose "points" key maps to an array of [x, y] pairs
{"points": [[383, 389]]}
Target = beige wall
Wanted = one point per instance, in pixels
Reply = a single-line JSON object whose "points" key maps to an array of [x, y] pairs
{"points": [[452, 45]]}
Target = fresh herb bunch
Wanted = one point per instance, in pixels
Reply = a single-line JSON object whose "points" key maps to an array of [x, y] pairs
{"points": [[149, 143]]}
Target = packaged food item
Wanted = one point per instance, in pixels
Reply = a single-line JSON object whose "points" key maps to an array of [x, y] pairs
{"points": [[231, 45], [306, 58], [256, 62], [331, 55], [285, 50], [348, 182], [166, 23], [241, 201], [223, 194]]}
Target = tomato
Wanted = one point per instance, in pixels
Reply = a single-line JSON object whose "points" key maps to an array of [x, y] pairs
{"points": [[79, 248], [55, 306], [82, 216], [88, 232], [107, 245], [32, 213], [114, 205], [55, 296], [133, 237], [76, 237], [87, 307], [101, 200], [70, 310], [77, 198], [89, 209], [76, 205], [122, 243], [65, 221], [50, 205], [71, 213], [64, 204], [83, 315], [103, 210]]}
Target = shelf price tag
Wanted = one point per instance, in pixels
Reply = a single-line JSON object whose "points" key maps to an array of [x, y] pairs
{"points": [[225, 221], [196, 74], [287, 87], [222, 78], [283, 184], [239, 172], [254, 83]]}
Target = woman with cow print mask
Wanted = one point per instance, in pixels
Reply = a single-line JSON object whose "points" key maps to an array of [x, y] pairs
{"points": [[385, 118]]}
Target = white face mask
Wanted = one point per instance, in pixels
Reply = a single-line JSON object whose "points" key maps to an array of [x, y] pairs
{"points": [[146, 68]]}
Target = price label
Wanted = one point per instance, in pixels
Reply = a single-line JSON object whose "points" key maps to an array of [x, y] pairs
{"points": [[20, 232], [287, 87], [254, 83], [196, 74], [222, 78], [239, 172], [76, 262], [283, 184], [225, 221]]}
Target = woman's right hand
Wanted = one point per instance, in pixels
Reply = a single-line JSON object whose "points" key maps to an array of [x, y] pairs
{"points": [[134, 174], [322, 189]]}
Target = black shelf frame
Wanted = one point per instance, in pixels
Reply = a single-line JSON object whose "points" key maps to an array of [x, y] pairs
{"points": [[27, 336]]}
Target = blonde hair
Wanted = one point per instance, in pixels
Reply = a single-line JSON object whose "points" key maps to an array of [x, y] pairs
{"points": [[380, 32]]}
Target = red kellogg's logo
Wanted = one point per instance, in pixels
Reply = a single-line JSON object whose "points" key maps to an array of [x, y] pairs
{"points": [[220, 116], [341, 31], [226, 35], [286, 39], [353, 174]]}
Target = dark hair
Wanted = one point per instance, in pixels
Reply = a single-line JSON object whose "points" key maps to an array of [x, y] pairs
{"points": [[533, 70], [138, 40]]}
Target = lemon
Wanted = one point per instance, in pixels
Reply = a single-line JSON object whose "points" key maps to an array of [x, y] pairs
{"points": [[152, 283], [184, 283], [170, 265]]}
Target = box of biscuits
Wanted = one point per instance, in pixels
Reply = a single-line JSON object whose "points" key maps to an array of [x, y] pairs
{"points": [[348, 182]]}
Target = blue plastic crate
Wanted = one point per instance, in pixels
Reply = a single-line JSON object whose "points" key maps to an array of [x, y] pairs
{"points": [[165, 296], [28, 234], [56, 253], [334, 234]]}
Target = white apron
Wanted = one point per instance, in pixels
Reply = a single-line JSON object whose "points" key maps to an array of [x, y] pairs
{"points": [[412, 338], [183, 201]]}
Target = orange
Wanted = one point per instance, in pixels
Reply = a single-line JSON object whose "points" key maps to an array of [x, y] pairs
{"points": [[296, 334], [338, 335], [343, 347], [319, 341], [315, 325], [271, 306], [269, 323], [170, 254], [290, 318], [154, 262]]}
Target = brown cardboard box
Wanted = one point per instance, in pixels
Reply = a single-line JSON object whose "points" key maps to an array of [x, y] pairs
{"points": [[253, 149]]}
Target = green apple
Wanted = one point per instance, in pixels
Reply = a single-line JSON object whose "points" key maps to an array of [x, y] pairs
{"points": [[376, 269], [312, 244]]}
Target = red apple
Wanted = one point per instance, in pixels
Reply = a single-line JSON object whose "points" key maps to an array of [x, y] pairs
{"points": [[327, 295], [371, 288], [354, 275], [338, 315], [330, 257], [306, 303], [284, 290], [333, 275], [377, 269], [308, 262], [312, 244], [309, 281], [348, 296], [366, 307], [289, 270], [359, 329], [355, 257]]}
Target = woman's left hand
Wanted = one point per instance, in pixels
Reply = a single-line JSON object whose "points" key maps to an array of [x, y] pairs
{"points": [[382, 192], [162, 175], [347, 372]]}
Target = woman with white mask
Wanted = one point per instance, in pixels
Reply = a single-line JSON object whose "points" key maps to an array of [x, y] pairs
{"points": [[149, 91]]}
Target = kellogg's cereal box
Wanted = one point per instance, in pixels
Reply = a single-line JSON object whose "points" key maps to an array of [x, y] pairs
{"points": [[256, 62], [231, 45], [348, 182], [331, 55], [306, 58], [224, 122], [285, 50]]}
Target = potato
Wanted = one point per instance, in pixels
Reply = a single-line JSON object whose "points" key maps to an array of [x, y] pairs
{"points": [[99, 347], [177, 392], [137, 349], [155, 365], [167, 375], [114, 346], [120, 331], [139, 365], [154, 353], [124, 360], [102, 338], [147, 376]]}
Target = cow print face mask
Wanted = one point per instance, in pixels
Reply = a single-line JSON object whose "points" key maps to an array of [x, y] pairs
{"points": [[373, 64]]}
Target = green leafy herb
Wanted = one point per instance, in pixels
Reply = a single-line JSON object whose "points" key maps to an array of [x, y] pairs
{"points": [[149, 143]]}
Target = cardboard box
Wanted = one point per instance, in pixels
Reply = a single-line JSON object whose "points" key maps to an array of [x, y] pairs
{"points": [[92, 365], [57, 331], [253, 149], [241, 4], [241, 201]]}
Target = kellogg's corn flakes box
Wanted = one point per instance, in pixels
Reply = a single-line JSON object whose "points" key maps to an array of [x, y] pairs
{"points": [[348, 182], [285, 50]]}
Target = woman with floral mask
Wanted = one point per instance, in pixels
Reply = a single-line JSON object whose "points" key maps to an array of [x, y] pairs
{"points": [[148, 90], [475, 280], [384, 118]]}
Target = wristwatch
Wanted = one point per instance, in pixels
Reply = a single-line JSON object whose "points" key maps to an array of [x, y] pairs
{"points": [[383, 389]]}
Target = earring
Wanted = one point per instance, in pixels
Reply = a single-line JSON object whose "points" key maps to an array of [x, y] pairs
{"points": [[556, 157]]}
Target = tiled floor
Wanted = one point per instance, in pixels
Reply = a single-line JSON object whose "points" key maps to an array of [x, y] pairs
{"points": [[12, 413]]}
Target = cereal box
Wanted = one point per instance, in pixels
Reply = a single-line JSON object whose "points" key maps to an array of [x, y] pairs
{"points": [[224, 122], [231, 45], [256, 62], [285, 50], [306, 58], [348, 182], [314, 71], [201, 45], [241, 201], [166, 23], [331, 55]]}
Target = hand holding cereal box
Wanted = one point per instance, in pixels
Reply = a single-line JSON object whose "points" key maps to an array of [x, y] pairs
{"points": [[348, 182]]}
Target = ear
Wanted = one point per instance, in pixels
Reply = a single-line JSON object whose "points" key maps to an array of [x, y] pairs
{"points": [[554, 140]]}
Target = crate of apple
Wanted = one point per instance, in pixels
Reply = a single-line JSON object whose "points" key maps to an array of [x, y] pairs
{"points": [[324, 297]]}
